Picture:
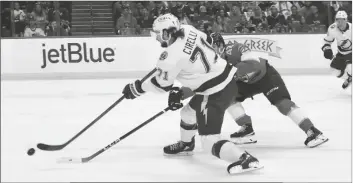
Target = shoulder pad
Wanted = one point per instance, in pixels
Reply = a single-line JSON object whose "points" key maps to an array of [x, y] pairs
{"points": [[333, 26]]}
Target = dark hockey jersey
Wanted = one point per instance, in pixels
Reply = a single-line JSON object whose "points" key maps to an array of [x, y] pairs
{"points": [[242, 58]]}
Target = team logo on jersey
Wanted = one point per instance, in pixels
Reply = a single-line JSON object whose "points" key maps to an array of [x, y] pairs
{"points": [[255, 45], [164, 55], [345, 45]]}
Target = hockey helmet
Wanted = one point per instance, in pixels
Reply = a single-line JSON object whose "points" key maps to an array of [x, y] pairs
{"points": [[164, 22], [341, 15]]}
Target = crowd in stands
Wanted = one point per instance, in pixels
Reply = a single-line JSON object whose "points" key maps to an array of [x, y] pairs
{"points": [[35, 19], [232, 16], [52, 18]]}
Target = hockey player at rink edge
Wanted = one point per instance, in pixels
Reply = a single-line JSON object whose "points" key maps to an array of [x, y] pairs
{"points": [[266, 80], [189, 59], [341, 31]]}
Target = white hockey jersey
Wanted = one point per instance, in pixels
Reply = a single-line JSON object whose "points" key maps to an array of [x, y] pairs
{"points": [[194, 63], [343, 38]]}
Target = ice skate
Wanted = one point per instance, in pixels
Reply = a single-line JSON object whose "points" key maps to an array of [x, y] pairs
{"points": [[245, 135], [347, 82], [315, 138], [246, 163], [180, 148]]}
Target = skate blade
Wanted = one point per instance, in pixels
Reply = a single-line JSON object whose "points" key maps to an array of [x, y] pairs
{"points": [[244, 140], [318, 142], [239, 170], [189, 153]]}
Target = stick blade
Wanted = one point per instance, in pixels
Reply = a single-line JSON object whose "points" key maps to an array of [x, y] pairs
{"points": [[46, 147], [69, 160]]}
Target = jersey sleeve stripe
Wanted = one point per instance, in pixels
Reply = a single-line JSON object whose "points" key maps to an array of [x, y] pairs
{"points": [[165, 88], [329, 41], [215, 81], [325, 47]]}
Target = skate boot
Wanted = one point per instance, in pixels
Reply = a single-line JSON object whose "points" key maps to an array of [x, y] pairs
{"points": [[246, 163], [315, 138], [180, 148], [347, 82], [245, 135]]}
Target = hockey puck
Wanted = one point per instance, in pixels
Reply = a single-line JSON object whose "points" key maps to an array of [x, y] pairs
{"points": [[31, 151]]}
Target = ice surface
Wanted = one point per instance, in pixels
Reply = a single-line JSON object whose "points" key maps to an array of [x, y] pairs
{"points": [[53, 111]]}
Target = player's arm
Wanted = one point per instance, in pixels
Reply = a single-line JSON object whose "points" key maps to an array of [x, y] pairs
{"points": [[162, 81], [328, 40], [167, 70]]}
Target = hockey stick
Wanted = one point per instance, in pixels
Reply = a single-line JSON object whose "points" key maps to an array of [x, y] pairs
{"points": [[46, 147], [89, 158]]}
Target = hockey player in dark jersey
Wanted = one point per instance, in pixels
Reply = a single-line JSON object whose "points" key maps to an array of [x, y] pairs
{"points": [[258, 76], [265, 80]]}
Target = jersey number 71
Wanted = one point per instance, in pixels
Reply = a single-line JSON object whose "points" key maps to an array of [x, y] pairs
{"points": [[199, 52]]}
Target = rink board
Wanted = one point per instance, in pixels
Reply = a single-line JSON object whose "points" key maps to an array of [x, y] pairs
{"points": [[129, 57]]}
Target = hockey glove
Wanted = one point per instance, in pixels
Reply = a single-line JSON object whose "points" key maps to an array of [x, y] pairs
{"points": [[328, 54], [133, 90], [174, 99]]}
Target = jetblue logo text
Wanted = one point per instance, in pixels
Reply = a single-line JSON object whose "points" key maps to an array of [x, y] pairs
{"points": [[75, 53]]}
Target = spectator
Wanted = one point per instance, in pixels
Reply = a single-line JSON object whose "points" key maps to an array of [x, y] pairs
{"points": [[40, 17], [315, 18], [223, 14], [275, 19], [182, 17], [295, 20], [295, 17], [225, 6], [249, 13], [59, 21], [117, 10], [174, 6], [264, 5], [5, 22], [258, 20], [126, 24], [138, 11], [202, 19], [215, 7], [19, 18], [284, 7], [158, 10], [305, 10], [33, 30], [209, 7], [219, 25], [244, 25], [189, 10], [234, 17], [146, 20]]}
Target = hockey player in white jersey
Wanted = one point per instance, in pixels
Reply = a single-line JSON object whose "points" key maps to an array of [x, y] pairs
{"points": [[189, 59], [341, 31]]}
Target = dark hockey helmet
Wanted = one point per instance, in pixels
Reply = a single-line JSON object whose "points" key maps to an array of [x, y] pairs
{"points": [[217, 39], [217, 42]]}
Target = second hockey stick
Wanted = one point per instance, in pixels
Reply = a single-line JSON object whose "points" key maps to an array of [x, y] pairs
{"points": [[89, 158], [46, 147]]}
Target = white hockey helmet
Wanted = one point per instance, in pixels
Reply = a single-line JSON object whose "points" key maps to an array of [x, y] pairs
{"points": [[341, 15], [164, 22]]}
